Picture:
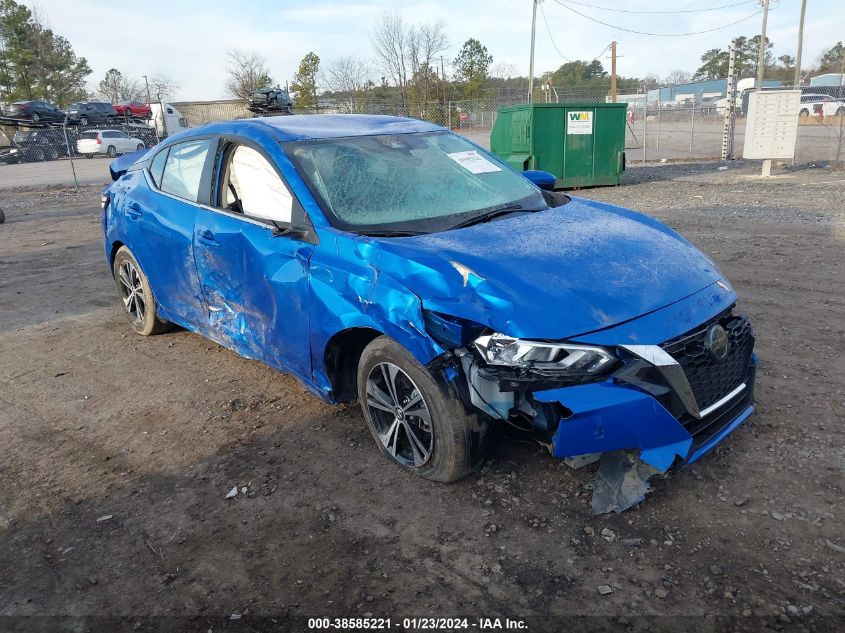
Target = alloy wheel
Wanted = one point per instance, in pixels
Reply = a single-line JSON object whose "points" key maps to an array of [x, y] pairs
{"points": [[132, 291], [400, 415]]}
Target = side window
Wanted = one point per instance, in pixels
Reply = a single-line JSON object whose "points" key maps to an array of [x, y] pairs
{"points": [[183, 169], [157, 166], [254, 188]]}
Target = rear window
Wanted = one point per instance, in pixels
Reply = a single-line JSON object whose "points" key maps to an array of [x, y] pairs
{"points": [[183, 169], [88, 135], [157, 167]]}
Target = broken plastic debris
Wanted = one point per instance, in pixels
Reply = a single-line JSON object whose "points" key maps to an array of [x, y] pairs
{"points": [[579, 461], [105, 517], [621, 482], [232, 493]]}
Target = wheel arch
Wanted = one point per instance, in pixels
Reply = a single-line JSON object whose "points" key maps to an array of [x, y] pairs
{"points": [[340, 360], [115, 246]]}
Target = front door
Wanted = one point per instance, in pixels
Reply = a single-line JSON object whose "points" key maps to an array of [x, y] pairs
{"points": [[255, 281]]}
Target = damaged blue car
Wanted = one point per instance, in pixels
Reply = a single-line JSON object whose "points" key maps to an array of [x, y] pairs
{"points": [[390, 261]]}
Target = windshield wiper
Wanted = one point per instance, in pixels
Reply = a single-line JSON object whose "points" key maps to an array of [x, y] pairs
{"points": [[492, 214], [390, 233]]}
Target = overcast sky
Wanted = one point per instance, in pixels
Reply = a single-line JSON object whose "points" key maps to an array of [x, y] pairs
{"points": [[188, 39]]}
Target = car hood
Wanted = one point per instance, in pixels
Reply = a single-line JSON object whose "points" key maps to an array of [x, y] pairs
{"points": [[553, 274]]}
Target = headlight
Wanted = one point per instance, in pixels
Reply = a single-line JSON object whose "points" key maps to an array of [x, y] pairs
{"points": [[498, 349]]}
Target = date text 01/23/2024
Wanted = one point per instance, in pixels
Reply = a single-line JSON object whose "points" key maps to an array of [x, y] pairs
{"points": [[416, 624]]}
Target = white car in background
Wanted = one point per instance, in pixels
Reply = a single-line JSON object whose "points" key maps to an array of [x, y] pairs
{"points": [[109, 142], [816, 104]]}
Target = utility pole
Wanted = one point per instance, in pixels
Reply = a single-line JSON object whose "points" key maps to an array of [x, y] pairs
{"points": [[148, 89], [761, 56], [443, 79], [534, 4], [728, 130], [613, 71], [797, 81]]}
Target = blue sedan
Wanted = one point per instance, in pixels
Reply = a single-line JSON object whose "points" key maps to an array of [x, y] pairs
{"points": [[389, 261]]}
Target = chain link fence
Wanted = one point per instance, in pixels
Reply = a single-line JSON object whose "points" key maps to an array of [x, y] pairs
{"points": [[696, 130], [654, 131]]}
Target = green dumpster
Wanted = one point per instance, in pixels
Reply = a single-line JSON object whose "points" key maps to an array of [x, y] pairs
{"points": [[583, 144]]}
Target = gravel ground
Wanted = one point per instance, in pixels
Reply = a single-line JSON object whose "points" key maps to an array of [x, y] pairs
{"points": [[118, 452]]}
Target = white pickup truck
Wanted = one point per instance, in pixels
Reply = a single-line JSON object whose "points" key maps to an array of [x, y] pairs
{"points": [[820, 104]]}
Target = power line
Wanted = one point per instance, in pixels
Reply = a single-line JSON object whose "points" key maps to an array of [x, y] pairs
{"points": [[548, 28], [600, 54], [620, 28], [724, 6]]}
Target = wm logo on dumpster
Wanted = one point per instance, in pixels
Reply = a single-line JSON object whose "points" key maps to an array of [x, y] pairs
{"points": [[579, 122]]}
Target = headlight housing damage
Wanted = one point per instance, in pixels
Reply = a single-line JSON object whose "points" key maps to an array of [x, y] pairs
{"points": [[567, 359]]}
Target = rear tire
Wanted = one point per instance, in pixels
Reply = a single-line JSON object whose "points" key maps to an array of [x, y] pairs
{"points": [[136, 296], [140, 147], [35, 117], [52, 154], [111, 151], [402, 402], [804, 112], [83, 120], [840, 111]]}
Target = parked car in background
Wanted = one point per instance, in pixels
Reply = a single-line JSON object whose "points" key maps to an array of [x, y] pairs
{"points": [[39, 145], [133, 109], [35, 111], [390, 261], [820, 104], [91, 112], [276, 100], [110, 142]]}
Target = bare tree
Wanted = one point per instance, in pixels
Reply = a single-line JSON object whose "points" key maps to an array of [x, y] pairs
{"points": [[348, 78], [678, 77], [503, 70], [407, 54], [162, 87], [246, 73], [116, 87], [425, 43], [389, 40]]}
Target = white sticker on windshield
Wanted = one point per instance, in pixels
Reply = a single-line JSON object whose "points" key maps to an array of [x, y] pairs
{"points": [[473, 162]]}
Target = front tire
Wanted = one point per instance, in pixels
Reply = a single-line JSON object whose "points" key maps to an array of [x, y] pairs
{"points": [[136, 296], [416, 423], [140, 147]]}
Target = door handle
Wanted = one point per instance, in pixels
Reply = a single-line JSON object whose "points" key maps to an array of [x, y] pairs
{"points": [[207, 237], [134, 210]]}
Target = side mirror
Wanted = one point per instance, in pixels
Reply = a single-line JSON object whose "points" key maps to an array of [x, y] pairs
{"points": [[543, 179]]}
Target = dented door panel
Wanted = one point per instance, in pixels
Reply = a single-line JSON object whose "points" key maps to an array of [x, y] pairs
{"points": [[255, 287]]}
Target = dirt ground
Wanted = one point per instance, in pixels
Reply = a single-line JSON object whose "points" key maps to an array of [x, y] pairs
{"points": [[118, 452]]}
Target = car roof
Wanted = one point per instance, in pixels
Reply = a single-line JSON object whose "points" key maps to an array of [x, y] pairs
{"points": [[319, 126]]}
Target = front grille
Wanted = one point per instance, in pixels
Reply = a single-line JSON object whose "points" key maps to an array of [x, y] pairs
{"points": [[705, 428], [711, 379]]}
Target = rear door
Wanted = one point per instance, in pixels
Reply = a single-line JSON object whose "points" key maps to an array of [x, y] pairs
{"points": [[160, 224], [255, 281]]}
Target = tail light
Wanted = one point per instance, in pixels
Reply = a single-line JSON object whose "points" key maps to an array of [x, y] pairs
{"points": [[99, 140]]}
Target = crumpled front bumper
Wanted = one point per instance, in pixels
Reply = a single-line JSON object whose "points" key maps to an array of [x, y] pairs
{"points": [[611, 416]]}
